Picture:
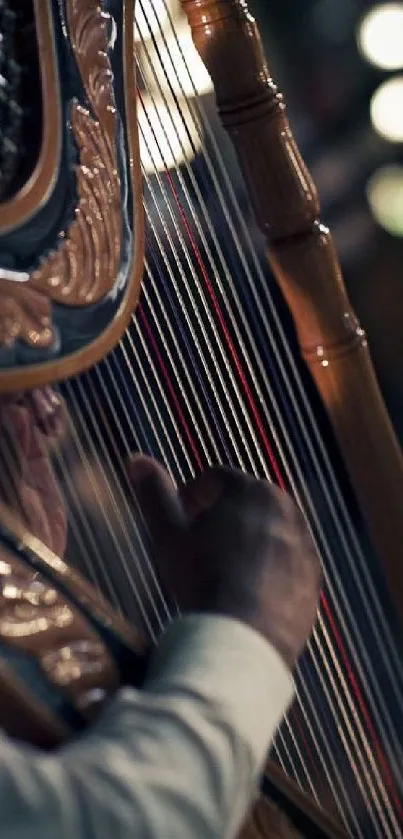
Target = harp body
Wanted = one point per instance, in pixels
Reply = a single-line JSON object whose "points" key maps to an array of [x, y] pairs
{"points": [[51, 329], [78, 214]]}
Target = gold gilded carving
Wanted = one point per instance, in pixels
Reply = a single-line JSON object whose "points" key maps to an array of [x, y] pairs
{"points": [[75, 661], [22, 621], [28, 605], [24, 315], [83, 269], [36, 619]]}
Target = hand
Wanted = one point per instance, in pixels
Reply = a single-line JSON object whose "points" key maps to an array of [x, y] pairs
{"points": [[228, 544]]}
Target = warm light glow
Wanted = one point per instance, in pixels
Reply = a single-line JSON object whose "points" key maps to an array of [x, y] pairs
{"points": [[176, 63], [387, 109], [164, 135], [385, 195], [380, 36], [151, 16]]}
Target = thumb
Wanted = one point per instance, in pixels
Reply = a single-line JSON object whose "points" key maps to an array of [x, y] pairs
{"points": [[159, 501]]}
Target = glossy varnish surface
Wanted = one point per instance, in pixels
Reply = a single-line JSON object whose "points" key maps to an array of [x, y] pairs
{"points": [[302, 255], [47, 614], [82, 267], [35, 192]]}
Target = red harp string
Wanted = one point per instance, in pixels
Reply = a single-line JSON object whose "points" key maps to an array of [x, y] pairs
{"points": [[198, 379]]}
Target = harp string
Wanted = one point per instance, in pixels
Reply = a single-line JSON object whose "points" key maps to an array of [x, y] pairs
{"points": [[201, 264], [165, 455], [251, 458], [188, 383], [93, 559], [81, 531], [175, 402], [9, 489], [194, 350], [162, 36], [122, 540], [360, 761], [178, 326], [189, 169], [156, 325], [130, 506], [207, 353], [264, 290], [128, 449], [350, 713]]}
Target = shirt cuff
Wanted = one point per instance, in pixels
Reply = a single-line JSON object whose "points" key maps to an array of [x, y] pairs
{"points": [[227, 663]]}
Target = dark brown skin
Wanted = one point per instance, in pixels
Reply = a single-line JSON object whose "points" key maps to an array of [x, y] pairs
{"points": [[225, 543], [231, 545]]}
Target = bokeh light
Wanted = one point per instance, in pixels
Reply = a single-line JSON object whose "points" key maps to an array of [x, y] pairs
{"points": [[387, 109], [380, 36], [151, 16], [174, 63], [169, 134], [385, 196]]}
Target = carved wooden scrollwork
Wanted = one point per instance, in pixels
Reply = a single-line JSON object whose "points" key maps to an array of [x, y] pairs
{"points": [[37, 620], [82, 269], [24, 315], [268, 821]]}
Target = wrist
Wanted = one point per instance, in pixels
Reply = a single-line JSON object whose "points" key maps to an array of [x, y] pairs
{"points": [[244, 610]]}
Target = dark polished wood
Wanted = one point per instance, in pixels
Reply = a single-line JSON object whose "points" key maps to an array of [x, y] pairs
{"points": [[53, 618], [305, 264], [303, 258], [268, 821], [34, 193], [76, 265]]}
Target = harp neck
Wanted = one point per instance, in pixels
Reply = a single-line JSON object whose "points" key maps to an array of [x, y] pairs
{"points": [[305, 264]]}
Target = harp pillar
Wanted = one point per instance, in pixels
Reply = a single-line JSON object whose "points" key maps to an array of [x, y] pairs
{"points": [[305, 264]]}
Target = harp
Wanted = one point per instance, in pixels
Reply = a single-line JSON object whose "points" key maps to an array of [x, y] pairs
{"points": [[203, 372]]}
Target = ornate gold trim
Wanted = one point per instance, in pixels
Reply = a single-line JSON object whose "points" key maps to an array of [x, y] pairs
{"points": [[85, 266], [62, 368], [36, 190]]}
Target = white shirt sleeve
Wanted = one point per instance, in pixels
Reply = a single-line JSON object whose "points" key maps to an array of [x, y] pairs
{"points": [[179, 759]]}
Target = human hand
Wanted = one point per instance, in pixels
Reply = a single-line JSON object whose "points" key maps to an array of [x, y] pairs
{"points": [[228, 544]]}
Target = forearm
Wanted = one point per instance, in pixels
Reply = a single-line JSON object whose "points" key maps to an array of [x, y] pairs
{"points": [[179, 759]]}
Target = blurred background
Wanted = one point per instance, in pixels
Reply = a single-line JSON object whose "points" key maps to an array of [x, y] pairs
{"points": [[340, 65]]}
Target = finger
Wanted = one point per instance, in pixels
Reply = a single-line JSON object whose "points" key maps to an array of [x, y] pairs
{"points": [[158, 498], [201, 494]]}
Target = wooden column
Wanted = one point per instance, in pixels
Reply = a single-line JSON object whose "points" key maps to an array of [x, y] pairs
{"points": [[303, 258]]}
